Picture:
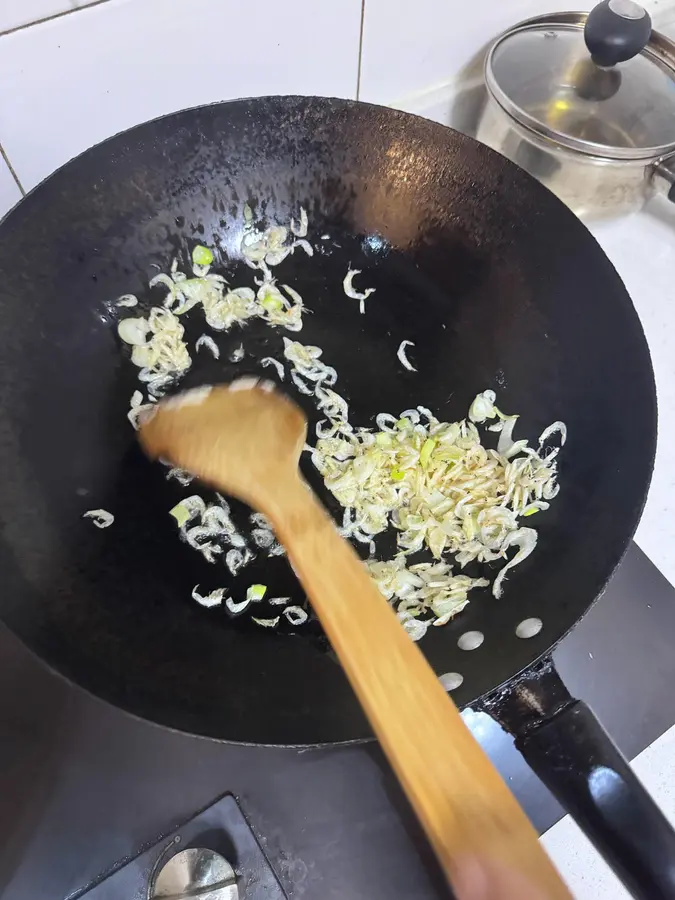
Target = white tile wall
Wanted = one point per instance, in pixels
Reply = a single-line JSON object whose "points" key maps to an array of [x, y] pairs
{"points": [[14, 13], [412, 47], [417, 56], [9, 191], [109, 64], [82, 77]]}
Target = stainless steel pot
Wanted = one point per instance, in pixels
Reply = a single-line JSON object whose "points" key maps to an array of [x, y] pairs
{"points": [[586, 104]]}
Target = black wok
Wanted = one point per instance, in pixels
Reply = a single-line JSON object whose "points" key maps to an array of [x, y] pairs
{"points": [[497, 284]]}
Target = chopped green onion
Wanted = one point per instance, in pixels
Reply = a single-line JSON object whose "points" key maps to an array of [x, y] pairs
{"points": [[483, 407], [426, 451], [470, 527], [271, 304], [397, 474], [266, 623], [181, 513], [214, 598], [256, 592], [450, 454], [202, 256], [531, 511], [100, 517], [295, 615], [402, 423]]}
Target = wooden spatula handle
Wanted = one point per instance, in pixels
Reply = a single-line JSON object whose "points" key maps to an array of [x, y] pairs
{"points": [[459, 797]]}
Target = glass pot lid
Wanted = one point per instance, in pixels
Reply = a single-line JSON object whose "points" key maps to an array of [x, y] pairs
{"points": [[543, 74]]}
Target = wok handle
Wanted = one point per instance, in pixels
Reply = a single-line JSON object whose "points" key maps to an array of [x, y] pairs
{"points": [[567, 747]]}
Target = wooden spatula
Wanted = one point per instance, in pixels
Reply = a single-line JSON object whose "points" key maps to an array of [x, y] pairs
{"points": [[246, 441]]}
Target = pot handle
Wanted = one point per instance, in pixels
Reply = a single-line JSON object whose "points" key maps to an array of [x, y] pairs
{"points": [[567, 747], [662, 176], [615, 31]]}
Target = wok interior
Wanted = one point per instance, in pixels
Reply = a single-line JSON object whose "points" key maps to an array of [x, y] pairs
{"points": [[494, 281]]}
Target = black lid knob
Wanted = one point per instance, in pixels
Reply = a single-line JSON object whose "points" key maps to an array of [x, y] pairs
{"points": [[616, 30]]}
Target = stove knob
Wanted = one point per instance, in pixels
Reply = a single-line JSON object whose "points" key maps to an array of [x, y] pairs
{"points": [[196, 873]]}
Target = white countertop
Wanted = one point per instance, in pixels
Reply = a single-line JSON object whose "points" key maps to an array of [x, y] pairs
{"points": [[642, 248]]}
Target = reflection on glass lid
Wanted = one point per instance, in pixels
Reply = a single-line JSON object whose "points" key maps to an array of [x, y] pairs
{"points": [[543, 75]]}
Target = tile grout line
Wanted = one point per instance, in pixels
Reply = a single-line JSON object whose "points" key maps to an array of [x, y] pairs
{"points": [[58, 15], [358, 74], [4, 156]]}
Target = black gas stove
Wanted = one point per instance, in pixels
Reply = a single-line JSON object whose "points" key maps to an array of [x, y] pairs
{"points": [[92, 799]]}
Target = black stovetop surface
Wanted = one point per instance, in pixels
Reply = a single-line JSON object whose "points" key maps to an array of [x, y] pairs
{"points": [[84, 786]]}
